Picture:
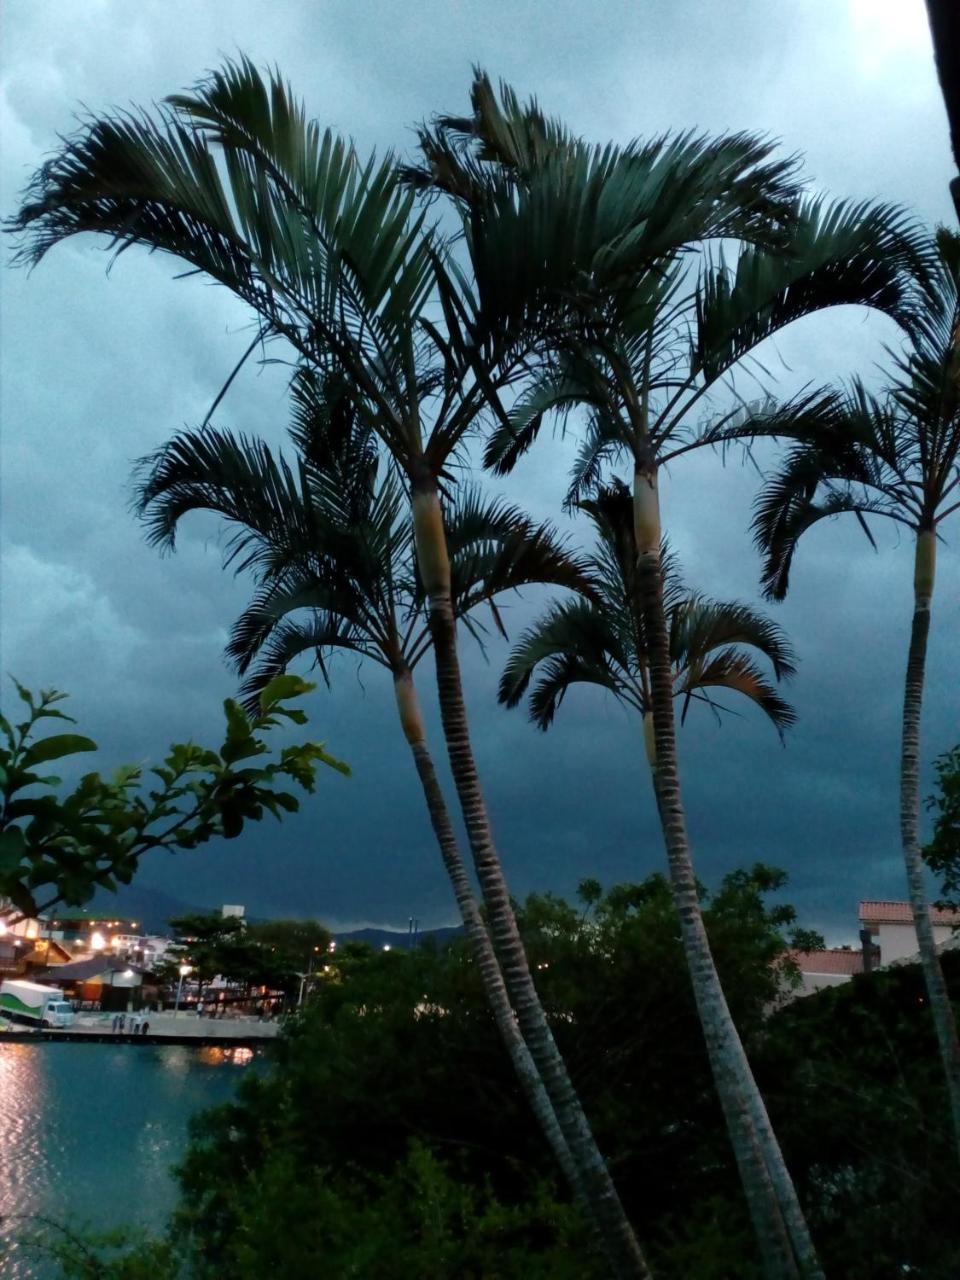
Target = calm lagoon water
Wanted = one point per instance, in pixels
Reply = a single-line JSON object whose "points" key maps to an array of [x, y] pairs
{"points": [[88, 1132]]}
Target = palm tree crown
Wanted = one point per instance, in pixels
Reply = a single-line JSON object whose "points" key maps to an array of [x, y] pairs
{"points": [[603, 641], [896, 455], [329, 539]]}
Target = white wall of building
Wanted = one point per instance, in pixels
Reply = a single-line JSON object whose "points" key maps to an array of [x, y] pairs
{"points": [[817, 981], [899, 941]]}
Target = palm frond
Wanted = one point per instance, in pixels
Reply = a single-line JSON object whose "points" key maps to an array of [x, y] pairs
{"points": [[231, 178], [699, 627], [787, 507], [733, 669], [335, 608], [235, 476], [571, 643], [460, 154], [287, 641], [557, 392], [362, 214], [838, 254], [329, 433]]}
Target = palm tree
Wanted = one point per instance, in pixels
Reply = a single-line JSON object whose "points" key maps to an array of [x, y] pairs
{"points": [[643, 350], [331, 549], [332, 256], [895, 456], [601, 641]]}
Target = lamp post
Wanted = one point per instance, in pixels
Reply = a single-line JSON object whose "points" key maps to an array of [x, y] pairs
{"points": [[183, 971]]}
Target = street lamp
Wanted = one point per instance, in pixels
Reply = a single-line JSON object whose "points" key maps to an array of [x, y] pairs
{"points": [[97, 942], [184, 969]]}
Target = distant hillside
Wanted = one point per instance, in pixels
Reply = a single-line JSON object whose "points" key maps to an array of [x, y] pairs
{"points": [[151, 908], [399, 938]]}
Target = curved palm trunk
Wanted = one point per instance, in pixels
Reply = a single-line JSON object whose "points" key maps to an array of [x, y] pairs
{"points": [[411, 718], [782, 1234], [944, 1019], [600, 1195]]}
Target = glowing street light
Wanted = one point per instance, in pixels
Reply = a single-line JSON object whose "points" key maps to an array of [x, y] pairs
{"points": [[97, 941], [183, 971]]}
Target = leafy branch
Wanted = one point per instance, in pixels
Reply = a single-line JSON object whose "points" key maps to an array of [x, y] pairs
{"points": [[62, 848]]}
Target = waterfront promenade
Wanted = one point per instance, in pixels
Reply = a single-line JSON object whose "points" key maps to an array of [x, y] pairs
{"points": [[162, 1028]]}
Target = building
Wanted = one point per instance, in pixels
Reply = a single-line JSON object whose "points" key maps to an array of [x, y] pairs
{"points": [[22, 956], [828, 968], [145, 949], [103, 981], [87, 931], [887, 936], [890, 926]]}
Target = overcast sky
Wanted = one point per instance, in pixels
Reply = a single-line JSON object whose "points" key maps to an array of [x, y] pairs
{"points": [[98, 371]]}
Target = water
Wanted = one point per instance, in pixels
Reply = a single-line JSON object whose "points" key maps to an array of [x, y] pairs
{"points": [[88, 1132]]}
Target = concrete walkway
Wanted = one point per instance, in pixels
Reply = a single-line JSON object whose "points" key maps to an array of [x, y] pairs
{"points": [[184, 1024], [167, 1027]]}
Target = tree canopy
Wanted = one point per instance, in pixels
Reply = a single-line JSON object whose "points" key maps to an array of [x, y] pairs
{"points": [[390, 1126]]}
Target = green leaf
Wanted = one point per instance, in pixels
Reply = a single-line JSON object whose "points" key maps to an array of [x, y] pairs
{"points": [[49, 713], [12, 846], [291, 713], [125, 774], [25, 694], [332, 762], [282, 687], [238, 725], [61, 744], [232, 820]]}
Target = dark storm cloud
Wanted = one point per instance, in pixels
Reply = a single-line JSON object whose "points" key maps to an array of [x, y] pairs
{"points": [[97, 372]]}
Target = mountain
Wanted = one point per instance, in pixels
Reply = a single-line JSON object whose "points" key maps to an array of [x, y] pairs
{"points": [[151, 908]]}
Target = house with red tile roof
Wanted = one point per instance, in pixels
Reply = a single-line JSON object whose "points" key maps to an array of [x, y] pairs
{"points": [[890, 925], [827, 968], [887, 936]]}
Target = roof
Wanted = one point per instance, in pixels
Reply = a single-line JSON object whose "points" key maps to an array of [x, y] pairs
{"points": [[832, 960], [885, 911]]}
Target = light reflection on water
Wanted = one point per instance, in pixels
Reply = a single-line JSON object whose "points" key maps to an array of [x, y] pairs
{"points": [[88, 1132]]}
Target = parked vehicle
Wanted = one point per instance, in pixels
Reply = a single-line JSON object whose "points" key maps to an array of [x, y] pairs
{"points": [[33, 1004]]}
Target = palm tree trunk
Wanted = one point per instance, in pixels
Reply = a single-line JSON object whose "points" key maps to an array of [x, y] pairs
{"points": [[411, 718], [944, 1019], [600, 1195], [782, 1234], [945, 30], [773, 1240]]}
